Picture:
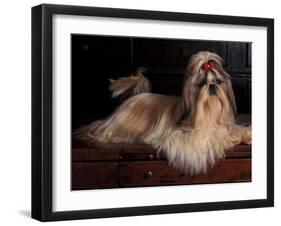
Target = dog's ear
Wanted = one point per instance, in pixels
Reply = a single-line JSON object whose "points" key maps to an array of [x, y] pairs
{"points": [[230, 94], [227, 77], [188, 92], [187, 95]]}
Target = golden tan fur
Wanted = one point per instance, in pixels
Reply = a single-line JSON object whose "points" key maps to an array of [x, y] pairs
{"points": [[192, 130], [129, 86], [148, 119]]}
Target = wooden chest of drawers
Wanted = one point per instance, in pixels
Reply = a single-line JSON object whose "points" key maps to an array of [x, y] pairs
{"points": [[113, 166]]}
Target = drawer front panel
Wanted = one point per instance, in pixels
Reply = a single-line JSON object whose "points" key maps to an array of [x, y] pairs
{"points": [[149, 173], [86, 175]]}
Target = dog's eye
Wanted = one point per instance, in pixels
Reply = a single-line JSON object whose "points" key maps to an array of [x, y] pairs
{"points": [[202, 83], [219, 81]]}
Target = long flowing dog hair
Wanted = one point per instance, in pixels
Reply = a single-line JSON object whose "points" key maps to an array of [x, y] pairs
{"points": [[192, 130]]}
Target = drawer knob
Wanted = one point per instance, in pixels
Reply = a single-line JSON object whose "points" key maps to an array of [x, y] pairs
{"points": [[148, 174], [150, 157]]}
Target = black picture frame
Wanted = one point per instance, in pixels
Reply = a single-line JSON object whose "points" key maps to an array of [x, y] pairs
{"points": [[42, 111]]}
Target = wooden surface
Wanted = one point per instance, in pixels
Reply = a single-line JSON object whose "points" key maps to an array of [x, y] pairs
{"points": [[111, 152], [144, 173], [94, 174], [126, 165]]}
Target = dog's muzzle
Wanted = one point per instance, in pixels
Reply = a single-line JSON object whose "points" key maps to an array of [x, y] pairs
{"points": [[212, 89]]}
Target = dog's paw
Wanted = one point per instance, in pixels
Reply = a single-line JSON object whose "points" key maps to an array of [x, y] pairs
{"points": [[247, 136], [235, 139], [242, 135]]}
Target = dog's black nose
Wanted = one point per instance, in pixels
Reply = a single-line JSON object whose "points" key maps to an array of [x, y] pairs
{"points": [[212, 89]]}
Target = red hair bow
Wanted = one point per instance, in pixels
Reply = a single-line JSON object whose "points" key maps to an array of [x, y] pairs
{"points": [[208, 66]]}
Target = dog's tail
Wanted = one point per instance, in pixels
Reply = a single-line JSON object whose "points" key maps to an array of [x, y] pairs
{"points": [[85, 133], [130, 86]]}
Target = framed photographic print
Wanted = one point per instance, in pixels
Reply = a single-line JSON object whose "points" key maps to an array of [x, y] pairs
{"points": [[146, 112]]}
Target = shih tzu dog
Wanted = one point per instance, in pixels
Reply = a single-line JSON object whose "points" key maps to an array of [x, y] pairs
{"points": [[192, 130]]}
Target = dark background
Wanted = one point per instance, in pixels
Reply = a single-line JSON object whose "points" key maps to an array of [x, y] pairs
{"points": [[95, 59]]}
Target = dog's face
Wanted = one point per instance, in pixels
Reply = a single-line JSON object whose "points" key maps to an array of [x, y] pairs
{"points": [[208, 92]]}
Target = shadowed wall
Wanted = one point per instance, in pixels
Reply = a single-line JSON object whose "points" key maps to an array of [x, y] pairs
{"points": [[95, 59]]}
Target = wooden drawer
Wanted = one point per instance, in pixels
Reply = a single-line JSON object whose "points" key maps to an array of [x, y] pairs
{"points": [[148, 173], [127, 165], [87, 175], [140, 152]]}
